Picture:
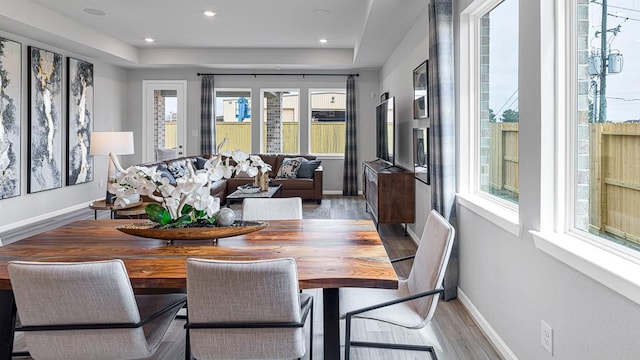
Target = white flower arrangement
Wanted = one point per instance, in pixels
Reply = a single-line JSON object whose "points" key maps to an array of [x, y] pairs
{"points": [[189, 200]]}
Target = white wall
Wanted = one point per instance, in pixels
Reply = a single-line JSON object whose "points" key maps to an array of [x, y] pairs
{"points": [[396, 77], [514, 285], [367, 97], [110, 100]]}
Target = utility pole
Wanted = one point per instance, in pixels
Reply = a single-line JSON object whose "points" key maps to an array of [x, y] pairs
{"points": [[603, 64]]}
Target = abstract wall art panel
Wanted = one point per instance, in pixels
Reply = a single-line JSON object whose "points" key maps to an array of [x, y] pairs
{"points": [[10, 105], [45, 109], [79, 121]]}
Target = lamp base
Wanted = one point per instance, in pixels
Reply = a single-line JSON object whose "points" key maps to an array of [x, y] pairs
{"points": [[109, 198]]}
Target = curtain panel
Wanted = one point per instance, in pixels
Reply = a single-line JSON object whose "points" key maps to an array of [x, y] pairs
{"points": [[350, 174], [443, 128], [207, 116]]}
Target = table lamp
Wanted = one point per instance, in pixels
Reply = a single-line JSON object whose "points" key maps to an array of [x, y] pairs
{"points": [[112, 143]]}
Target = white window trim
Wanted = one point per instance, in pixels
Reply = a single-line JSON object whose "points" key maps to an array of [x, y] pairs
{"points": [[263, 120], [327, 156], [613, 265], [502, 213]]}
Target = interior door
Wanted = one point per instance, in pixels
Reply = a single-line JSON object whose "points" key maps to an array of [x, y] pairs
{"points": [[165, 117]]}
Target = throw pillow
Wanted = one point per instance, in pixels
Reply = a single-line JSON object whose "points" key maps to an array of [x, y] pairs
{"points": [[198, 164], [165, 173], [307, 167], [177, 171], [166, 154], [289, 168]]}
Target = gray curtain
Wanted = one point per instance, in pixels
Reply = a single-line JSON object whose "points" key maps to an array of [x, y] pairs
{"points": [[350, 174], [443, 125], [207, 116]]}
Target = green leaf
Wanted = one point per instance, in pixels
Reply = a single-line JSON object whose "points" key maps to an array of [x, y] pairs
{"points": [[183, 220], [186, 209], [157, 213]]}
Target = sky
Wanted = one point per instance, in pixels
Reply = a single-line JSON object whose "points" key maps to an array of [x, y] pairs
{"points": [[623, 89], [503, 65]]}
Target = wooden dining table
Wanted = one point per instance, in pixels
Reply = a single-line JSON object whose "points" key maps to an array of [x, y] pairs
{"points": [[330, 254]]}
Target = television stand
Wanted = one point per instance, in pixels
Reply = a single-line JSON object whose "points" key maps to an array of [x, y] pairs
{"points": [[389, 193]]}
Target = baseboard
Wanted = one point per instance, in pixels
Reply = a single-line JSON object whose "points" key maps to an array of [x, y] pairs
{"points": [[335, 192], [486, 328], [413, 236], [37, 224]]}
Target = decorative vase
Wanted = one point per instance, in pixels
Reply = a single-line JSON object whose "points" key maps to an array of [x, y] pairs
{"points": [[263, 181]]}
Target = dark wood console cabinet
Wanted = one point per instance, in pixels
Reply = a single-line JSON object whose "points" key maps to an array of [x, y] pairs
{"points": [[389, 192]]}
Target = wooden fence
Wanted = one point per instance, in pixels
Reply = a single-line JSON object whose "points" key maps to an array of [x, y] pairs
{"points": [[615, 180], [503, 158], [614, 174], [326, 137]]}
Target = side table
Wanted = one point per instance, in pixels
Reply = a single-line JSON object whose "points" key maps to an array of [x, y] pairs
{"points": [[130, 212], [102, 205]]}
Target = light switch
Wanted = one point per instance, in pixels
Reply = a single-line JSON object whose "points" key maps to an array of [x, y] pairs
{"points": [[194, 132]]}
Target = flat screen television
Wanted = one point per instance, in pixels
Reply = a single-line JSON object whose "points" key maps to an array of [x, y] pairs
{"points": [[385, 125]]}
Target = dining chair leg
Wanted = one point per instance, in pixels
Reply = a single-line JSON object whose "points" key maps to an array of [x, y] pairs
{"points": [[347, 338], [311, 332]]}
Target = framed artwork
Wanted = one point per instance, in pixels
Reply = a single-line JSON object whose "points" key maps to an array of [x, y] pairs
{"points": [[420, 94], [79, 121], [45, 109], [421, 155], [10, 105]]}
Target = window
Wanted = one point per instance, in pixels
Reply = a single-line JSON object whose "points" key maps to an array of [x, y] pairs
{"points": [[606, 121], [497, 157], [233, 118], [327, 127], [281, 119]]}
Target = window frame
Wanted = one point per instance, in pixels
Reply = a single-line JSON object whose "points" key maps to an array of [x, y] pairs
{"points": [[327, 156], [215, 100], [499, 211], [613, 265], [263, 119]]}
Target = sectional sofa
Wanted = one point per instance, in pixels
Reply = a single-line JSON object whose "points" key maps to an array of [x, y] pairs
{"points": [[308, 187]]}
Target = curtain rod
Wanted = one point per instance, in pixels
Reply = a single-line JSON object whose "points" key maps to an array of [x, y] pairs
{"points": [[280, 74]]}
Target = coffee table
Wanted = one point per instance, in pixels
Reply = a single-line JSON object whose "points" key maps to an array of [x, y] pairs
{"points": [[275, 190]]}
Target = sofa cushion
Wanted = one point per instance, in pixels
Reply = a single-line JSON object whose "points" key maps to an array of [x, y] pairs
{"points": [[289, 168], [307, 167], [271, 160], [295, 184]]}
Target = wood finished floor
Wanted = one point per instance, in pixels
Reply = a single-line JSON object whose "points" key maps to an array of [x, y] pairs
{"points": [[452, 332]]}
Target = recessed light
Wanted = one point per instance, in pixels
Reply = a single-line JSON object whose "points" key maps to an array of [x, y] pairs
{"points": [[323, 41], [321, 12], [209, 13], [96, 12], [149, 40]]}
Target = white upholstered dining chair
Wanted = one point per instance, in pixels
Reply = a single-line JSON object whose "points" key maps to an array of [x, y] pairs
{"points": [[246, 310], [413, 304], [272, 208], [87, 310]]}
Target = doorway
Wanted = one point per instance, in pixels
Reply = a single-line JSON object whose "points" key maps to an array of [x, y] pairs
{"points": [[165, 119]]}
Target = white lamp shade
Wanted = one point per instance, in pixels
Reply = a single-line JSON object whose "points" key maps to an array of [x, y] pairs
{"points": [[116, 142]]}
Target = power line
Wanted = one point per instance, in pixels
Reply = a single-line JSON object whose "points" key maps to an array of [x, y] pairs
{"points": [[506, 102], [623, 99], [617, 7], [623, 17]]}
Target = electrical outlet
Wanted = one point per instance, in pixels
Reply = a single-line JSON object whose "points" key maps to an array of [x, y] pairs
{"points": [[546, 336], [100, 183]]}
